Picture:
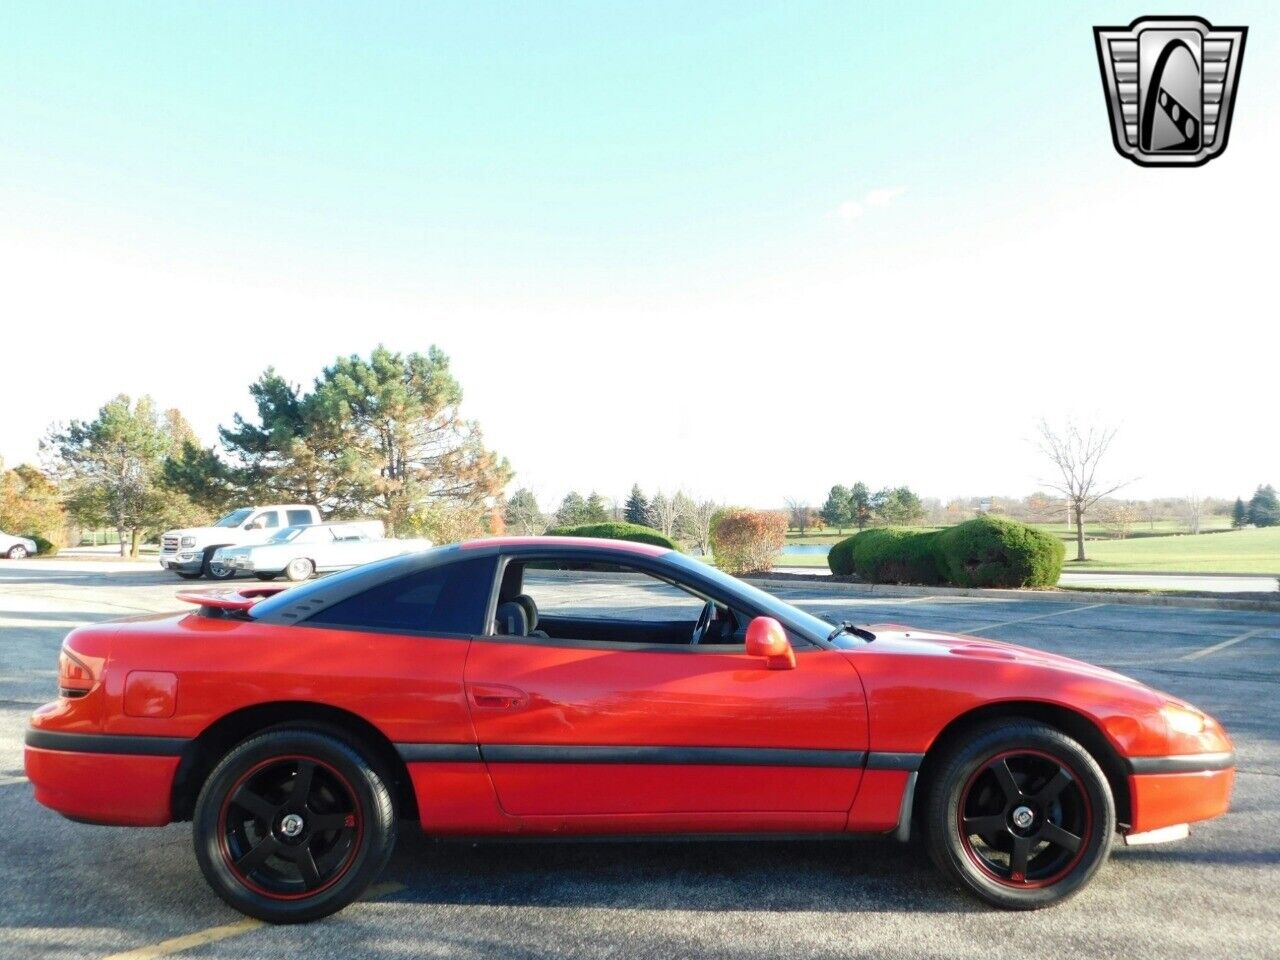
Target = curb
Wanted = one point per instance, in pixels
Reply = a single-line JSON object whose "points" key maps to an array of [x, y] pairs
{"points": [[1060, 596]]}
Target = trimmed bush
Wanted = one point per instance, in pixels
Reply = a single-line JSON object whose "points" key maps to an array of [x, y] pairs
{"points": [[840, 556], [44, 548], [746, 541], [888, 555], [999, 552], [616, 531]]}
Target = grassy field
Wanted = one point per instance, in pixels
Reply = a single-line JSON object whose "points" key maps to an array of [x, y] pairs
{"points": [[1237, 551], [1171, 551]]}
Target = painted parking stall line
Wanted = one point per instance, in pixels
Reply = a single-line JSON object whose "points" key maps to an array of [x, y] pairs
{"points": [[1222, 645], [1037, 616], [190, 941]]}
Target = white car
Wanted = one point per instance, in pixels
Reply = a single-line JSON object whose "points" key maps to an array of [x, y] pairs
{"points": [[16, 548], [302, 552]]}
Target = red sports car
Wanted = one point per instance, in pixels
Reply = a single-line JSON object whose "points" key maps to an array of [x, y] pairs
{"points": [[555, 686]]}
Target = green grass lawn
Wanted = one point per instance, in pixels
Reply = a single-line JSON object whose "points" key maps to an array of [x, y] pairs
{"points": [[1237, 551]]}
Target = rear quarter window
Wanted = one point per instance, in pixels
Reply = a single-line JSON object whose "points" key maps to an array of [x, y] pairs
{"points": [[452, 598], [299, 518]]}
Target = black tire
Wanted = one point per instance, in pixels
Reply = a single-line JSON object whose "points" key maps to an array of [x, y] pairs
{"points": [[17, 552], [189, 576], [215, 571], [346, 825], [299, 569], [1045, 801], [266, 576]]}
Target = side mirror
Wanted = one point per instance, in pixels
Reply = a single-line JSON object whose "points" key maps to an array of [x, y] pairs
{"points": [[766, 638]]}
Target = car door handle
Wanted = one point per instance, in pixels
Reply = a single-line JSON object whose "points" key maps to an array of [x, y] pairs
{"points": [[495, 696]]}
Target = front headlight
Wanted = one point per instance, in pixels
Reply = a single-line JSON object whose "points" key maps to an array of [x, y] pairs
{"points": [[188, 541], [1184, 720]]}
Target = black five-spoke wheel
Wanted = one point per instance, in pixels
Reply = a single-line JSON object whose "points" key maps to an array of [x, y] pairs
{"points": [[1024, 817], [1020, 814], [293, 825], [290, 827]]}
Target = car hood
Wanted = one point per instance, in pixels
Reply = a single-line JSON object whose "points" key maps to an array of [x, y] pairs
{"points": [[195, 531], [897, 638]]}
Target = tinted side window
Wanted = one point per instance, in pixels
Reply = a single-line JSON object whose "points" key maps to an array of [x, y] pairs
{"points": [[298, 518], [452, 598], [269, 520]]}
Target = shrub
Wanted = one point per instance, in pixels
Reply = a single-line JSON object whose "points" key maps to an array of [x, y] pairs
{"points": [[888, 555], [44, 548], [616, 531], [999, 552], [746, 541]]}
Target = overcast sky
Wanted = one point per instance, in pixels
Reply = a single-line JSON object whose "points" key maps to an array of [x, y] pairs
{"points": [[750, 254]]}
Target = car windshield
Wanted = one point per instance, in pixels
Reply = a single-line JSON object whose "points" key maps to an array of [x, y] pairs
{"points": [[774, 607], [285, 535], [235, 518]]}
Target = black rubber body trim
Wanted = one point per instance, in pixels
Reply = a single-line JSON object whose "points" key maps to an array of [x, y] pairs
{"points": [[894, 761], [106, 743], [438, 752], [1182, 763], [711, 756]]}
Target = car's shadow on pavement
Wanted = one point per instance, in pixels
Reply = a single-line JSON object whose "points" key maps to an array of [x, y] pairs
{"points": [[771, 875]]}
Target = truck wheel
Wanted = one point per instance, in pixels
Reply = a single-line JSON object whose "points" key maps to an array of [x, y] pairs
{"points": [[215, 571], [299, 569]]}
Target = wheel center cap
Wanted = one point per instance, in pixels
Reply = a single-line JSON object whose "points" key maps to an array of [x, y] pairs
{"points": [[1023, 817], [291, 825]]}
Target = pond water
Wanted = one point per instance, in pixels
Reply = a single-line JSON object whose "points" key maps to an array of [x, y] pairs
{"points": [[806, 549]]}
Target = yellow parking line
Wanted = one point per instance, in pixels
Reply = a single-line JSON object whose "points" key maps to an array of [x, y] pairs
{"points": [[200, 938]]}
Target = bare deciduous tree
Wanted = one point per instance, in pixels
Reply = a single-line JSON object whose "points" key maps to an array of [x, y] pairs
{"points": [[1119, 517], [1078, 453], [1194, 511], [667, 512], [699, 520], [799, 514]]}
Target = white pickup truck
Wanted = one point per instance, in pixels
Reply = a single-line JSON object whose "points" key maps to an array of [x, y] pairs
{"points": [[190, 553], [301, 552]]}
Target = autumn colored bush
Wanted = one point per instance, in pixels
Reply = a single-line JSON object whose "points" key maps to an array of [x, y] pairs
{"points": [[746, 541]]}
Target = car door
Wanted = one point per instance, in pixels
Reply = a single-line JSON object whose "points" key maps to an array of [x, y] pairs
{"points": [[590, 730]]}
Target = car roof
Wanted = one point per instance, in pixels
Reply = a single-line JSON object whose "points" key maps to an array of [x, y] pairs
{"points": [[577, 543]]}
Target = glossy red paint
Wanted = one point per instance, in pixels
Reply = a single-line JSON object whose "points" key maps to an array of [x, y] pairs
{"points": [[712, 714], [106, 788], [151, 693], [592, 697], [1166, 799]]}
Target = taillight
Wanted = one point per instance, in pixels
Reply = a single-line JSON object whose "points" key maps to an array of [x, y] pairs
{"points": [[75, 678]]}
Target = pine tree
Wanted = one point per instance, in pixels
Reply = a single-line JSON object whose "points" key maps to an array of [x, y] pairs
{"points": [[637, 509], [1239, 515], [860, 505], [1264, 507], [838, 510]]}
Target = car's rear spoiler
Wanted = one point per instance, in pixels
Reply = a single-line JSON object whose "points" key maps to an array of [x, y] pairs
{"points": [[230, 599]]}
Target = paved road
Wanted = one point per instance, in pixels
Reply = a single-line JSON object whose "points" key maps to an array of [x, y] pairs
{"points": [[1204, 583], [77, 891]]}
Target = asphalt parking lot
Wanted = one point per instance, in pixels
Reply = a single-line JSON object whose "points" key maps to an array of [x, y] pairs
{"points": [[78, 891]]}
